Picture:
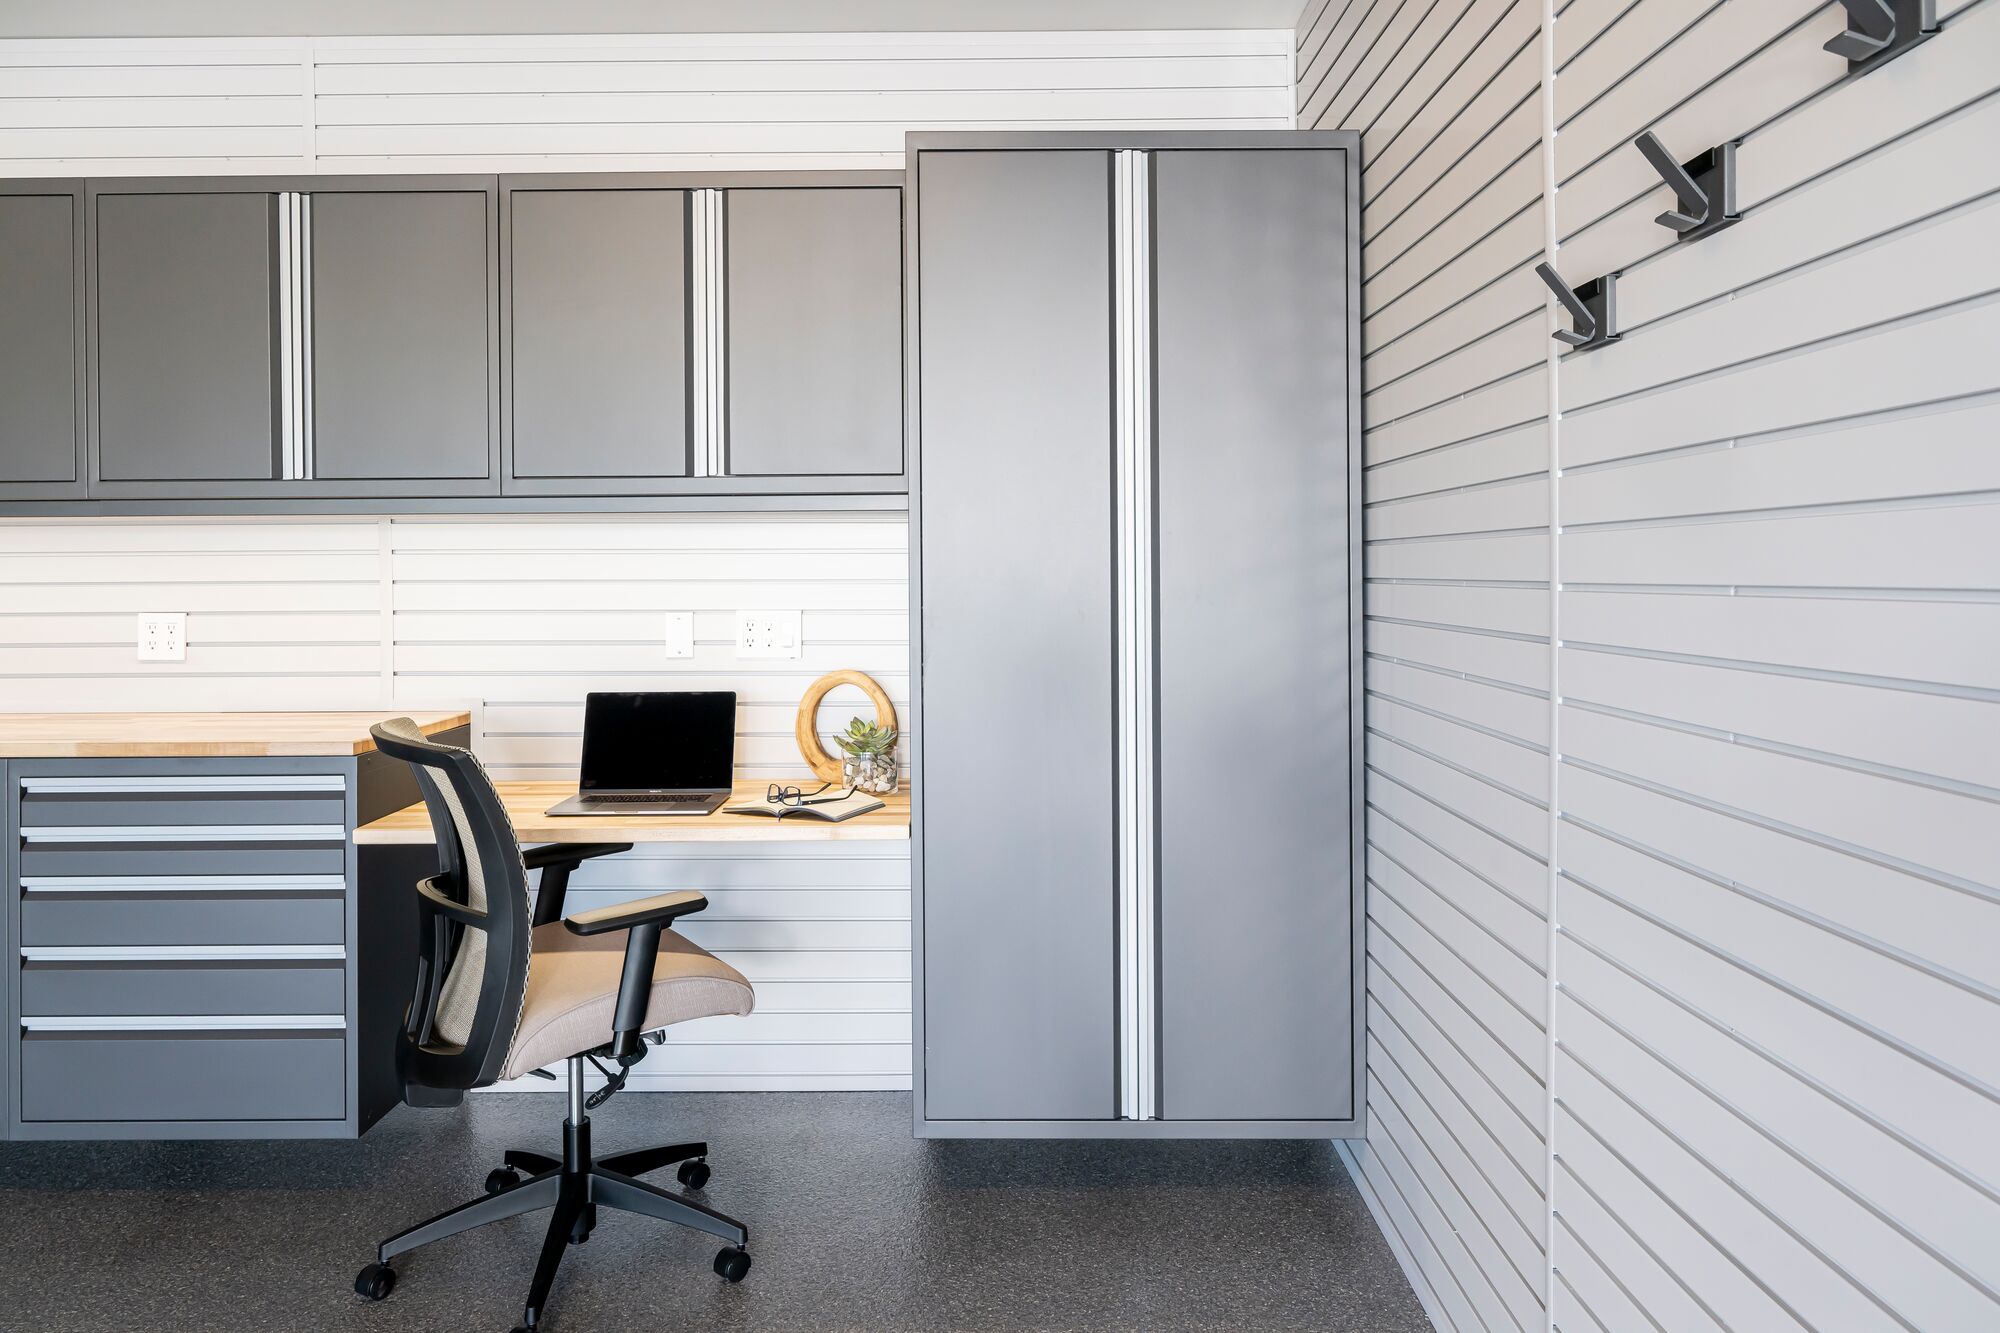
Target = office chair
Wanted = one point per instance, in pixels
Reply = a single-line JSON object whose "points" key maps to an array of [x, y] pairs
{"points": [[499, 995]]}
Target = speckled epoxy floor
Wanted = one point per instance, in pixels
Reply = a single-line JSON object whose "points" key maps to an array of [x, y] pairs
{"points": [[855, 1226]]}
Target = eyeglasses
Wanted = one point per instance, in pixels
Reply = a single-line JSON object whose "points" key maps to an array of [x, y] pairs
{"points": [[793, 798]]}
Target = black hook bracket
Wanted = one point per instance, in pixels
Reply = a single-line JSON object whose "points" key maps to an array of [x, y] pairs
{"points": [[1593, 308], [1880, 30], [1705, 188]]}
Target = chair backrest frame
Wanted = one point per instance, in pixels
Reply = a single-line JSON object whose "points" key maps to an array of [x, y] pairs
{"points": [[433, 1070]]}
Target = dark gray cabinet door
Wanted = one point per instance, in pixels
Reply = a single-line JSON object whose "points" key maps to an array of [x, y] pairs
{"points": [[1255, 929], [1014, 275], [41, 407], [815, 320], [401, 337], [597, 373], [186, 337]]}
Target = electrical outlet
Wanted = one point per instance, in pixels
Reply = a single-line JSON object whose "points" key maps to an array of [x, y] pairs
{"points": [[163, 636], [767, 634], [680, 634]]}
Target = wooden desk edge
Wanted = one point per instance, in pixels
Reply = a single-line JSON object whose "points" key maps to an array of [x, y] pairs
{"points": [[141, 746], [525, 802]]}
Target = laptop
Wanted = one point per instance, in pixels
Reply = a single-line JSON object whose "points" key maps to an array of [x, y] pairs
{"points": [[655, 754]]}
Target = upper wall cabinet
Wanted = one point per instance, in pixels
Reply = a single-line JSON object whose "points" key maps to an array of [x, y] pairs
{"points": [[596, 356], [403, 321], [813, 308], [331, 341], [453, 342], [186, 341], [41, 340], [671, 335]]}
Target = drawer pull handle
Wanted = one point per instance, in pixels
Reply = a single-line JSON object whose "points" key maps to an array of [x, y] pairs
{"points": [[186, 833], [188, 1023], [131, 786], [170, 953], [137, 884]]}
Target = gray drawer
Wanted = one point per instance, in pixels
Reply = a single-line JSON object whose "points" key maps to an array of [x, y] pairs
{"points": [[98, 859], [155, 919], [173, 800], [151, 1076], [167, 986], [178, 809]]}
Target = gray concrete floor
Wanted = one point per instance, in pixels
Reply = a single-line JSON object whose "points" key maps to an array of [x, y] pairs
{"points": [[854, 1226]]}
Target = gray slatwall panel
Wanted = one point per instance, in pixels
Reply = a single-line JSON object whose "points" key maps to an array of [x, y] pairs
{"points": [[1779, 709], [1763, 944], [1446, 97]]}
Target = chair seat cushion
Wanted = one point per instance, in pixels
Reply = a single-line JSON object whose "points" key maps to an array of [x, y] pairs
{"points": [[573, 993]]}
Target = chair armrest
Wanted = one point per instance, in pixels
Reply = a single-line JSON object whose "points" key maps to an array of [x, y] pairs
{"points": [[446, 906], [659, 910], [570, 854]]}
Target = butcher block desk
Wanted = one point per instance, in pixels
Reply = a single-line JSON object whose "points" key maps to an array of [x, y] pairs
{"points": [[526, 801], [187, 951]]}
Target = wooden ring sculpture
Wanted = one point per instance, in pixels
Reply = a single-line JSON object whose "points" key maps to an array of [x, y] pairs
{"points": [[826, 767]]}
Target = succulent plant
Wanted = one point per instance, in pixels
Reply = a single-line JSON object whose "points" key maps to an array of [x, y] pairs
{"points": [[865, 738]]}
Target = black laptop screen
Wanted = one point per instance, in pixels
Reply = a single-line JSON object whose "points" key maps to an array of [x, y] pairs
{"points": [[659, 742]]}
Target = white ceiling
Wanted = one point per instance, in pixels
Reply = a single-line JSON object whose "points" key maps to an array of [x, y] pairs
{"points": [[331, 18]]}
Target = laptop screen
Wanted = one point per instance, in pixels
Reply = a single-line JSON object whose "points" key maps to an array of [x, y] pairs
{"points": [[659, 742]]}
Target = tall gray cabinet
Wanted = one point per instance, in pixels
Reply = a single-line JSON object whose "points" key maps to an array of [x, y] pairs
{"points": [[1135, 420]]}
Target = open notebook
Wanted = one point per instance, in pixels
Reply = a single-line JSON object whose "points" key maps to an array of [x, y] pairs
{"points": [[832, 811]]}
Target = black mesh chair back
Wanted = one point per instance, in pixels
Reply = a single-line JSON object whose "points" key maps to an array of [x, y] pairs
{"points": [[473, 928]]}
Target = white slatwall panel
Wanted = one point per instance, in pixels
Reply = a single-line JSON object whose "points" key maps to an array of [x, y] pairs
{"points": [[1447, 98], [527, 616], [599, 103], [521, 618], [1777, 530], [280, 614], [1780, 1054]]}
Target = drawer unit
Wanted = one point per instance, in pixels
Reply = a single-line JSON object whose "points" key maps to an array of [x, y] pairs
{"points": [[181, 939], [187, 952], [56, 983], [112, 1074]]}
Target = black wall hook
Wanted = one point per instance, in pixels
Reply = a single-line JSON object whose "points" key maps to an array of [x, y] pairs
{"points": [[1593, 307], [1705, 188], [1880, 30]]}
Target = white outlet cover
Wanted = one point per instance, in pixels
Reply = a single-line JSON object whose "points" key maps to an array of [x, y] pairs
{"points": [[162, 636], [763, 633], [680, 634]]}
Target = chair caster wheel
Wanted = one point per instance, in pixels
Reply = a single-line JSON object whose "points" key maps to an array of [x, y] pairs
{"points": [[501, 1179], [732, 1264], [694, 1174], [378, 1280], [586, 1222]]}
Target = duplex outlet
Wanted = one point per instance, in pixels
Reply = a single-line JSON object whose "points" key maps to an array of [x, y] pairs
{"points": [[767, 634], [163, 636]]}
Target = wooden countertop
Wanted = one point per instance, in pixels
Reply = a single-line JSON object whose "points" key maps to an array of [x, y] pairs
{"points": [[200, 735], [526, 802]]}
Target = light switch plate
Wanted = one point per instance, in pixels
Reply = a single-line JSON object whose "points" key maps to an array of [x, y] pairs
{"points": [[680, 634], [767, 634], [163, 636]]}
